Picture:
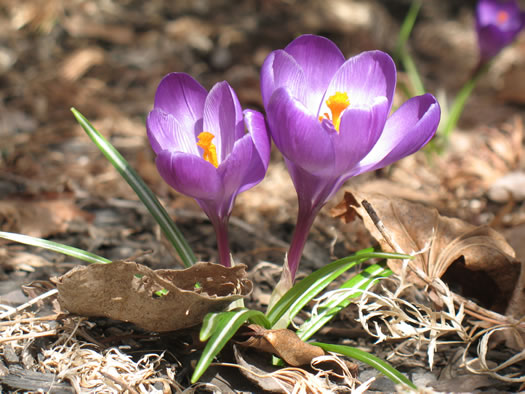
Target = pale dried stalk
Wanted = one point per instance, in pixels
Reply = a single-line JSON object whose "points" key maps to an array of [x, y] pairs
{"points": [[482, 350], [31, 302], [414, 322], [305, 382]]}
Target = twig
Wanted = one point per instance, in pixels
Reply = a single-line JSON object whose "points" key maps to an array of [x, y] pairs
{"points": [[29, 336], [29, 303], [29, 320]]}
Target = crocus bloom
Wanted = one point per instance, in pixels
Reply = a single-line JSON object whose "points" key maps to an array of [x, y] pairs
{"points": [[202, 148], [497, 24], [330, 120]]}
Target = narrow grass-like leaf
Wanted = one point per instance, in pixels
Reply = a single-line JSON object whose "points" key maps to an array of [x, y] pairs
{"points": [[151, 202], [407, 26], [306, 289], [401, 52], [55, 247], [220, 327], [456, 109], [382, 366], [339, 300]]}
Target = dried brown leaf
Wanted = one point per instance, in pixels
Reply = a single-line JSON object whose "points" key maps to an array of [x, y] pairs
{"points": [[126, 290], [473, 258], [284, 343]]}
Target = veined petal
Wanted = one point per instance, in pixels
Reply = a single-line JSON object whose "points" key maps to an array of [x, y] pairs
{"points": [[298, 134], [406, 131], [364, 77], [182, 96], [190, 175], [281, 70], [258, 163], [319, 59], [220, 118], [239, 117], [165, 133], [359, 131], [233, 170]]}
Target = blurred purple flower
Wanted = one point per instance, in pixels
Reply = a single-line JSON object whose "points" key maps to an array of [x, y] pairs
{"points": [[202, 148], [330, 120], [497, 24]]}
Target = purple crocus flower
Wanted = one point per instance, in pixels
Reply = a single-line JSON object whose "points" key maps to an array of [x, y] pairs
{"points": [[497, 24], [202, 148], [329, 117]]}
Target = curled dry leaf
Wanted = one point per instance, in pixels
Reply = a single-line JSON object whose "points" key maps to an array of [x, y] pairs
{"points": [[283, 343], [475, 261], [125, 290], [261, 373], [327, 378]]}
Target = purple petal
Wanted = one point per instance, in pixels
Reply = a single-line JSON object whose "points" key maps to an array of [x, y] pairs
{"points": [[183, 97], [495, 32], [239, 116], [258, 163], [488, 12], [364, 77], [359, 131], [406, 131], [165, 133], [298, 134], [319, 58], [491, 40], [221, 118], [281, 70], [312, 190], [190, 175], [233, 170]]}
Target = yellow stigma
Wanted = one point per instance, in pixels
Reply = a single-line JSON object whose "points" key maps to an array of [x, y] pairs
{"points": [[210, 152], [337, 103], [502, 17]]}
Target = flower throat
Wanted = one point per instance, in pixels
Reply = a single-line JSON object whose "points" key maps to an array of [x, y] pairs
{"points": [[210, 152], [337, 103]]}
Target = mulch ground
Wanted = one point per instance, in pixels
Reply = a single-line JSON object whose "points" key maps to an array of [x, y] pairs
{"points": [[106, 59]]}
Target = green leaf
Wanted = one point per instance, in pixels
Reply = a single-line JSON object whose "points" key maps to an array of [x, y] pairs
{"points": [[401, 52], [219, 328], [151, 202], [407, 26], [459, 103], [306, 289], [341, 299], [162, 292], [382, 366], [56, 247]]}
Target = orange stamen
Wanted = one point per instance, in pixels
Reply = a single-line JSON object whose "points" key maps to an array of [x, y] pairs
{"points": [[502, 17], [337, 103], [210, 152]]}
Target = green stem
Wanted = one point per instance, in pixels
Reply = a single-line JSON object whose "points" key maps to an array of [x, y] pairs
{"points": [[460, 101], [406, 28], [401, 52]]}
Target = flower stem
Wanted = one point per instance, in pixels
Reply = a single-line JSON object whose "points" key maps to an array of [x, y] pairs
{"points": [[221, 232], [461, 100], [305, 219]]}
